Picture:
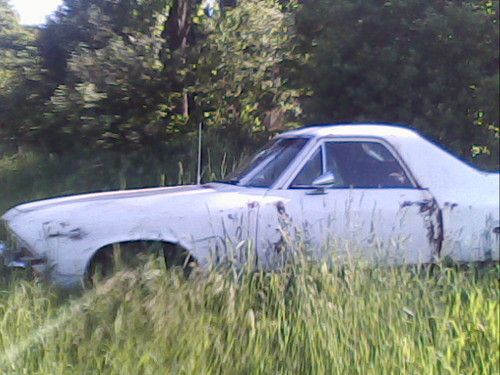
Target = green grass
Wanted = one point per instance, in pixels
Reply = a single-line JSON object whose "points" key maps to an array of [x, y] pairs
{"points": [[306, 319]]}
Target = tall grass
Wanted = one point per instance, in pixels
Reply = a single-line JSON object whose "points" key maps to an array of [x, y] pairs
{"points": [[306, 319]]}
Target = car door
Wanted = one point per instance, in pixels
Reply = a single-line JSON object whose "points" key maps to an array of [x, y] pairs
{"points": [[371, 208]]}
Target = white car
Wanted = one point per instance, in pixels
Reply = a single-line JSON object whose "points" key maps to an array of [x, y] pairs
{"points": [[384, 190]]}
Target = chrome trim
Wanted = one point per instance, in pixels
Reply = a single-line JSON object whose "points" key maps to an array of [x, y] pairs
{"points": [[18, 264], [18, 259]]}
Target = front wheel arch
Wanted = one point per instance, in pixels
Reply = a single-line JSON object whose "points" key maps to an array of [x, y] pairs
{"points": [[174, 255]]}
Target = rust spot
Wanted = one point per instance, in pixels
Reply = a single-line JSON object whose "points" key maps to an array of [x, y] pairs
{"points": [[279, 246], [285, 226], [284, 218], [433, 219], [252, 205], [76, 234], [450, 205], [280, 206]]}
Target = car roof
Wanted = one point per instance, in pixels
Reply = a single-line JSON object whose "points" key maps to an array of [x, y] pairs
{"points": [[354, 129]]}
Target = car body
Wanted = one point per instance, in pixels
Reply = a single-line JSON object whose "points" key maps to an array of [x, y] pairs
{"points": [[383, 189]]}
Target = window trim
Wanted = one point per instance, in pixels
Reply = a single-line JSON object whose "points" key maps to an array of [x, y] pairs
{"points": [[297, 160], [263, 165], [313, 155], [320, 143]]}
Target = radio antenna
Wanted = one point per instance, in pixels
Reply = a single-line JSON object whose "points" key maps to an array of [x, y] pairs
{"points": [[198, 172]]}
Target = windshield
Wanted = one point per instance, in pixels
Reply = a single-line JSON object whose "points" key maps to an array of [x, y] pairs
{"points": [[264, 168]]}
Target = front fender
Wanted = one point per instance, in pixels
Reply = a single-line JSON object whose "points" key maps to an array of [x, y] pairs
{"points": [[69, 257]]}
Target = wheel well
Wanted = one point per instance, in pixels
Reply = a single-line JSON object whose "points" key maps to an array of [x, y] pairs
{"points": [[171, 251]]}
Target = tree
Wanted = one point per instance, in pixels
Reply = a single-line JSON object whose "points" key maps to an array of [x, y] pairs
{"points": [[139, 75], [178, 35], [19, 76], [240, 90], [102, 61], [430, 64]]}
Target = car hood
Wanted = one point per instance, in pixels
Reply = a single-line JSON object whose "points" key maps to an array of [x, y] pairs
{"points": [[143, 197], [123, 195], [181, 204]]}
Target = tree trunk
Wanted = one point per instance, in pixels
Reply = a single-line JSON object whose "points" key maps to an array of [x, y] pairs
{"points": [[178, 36], [178, 24]]}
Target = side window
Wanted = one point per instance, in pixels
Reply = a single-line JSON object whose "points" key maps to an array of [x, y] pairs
{"points": [[354, 165], [364, 165], [311, 170]]}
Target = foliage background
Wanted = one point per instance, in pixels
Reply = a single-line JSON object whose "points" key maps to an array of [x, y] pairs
{"points": [[124, 83]]}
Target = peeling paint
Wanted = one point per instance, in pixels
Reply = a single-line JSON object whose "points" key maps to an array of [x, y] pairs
{"points": [[76, 234], [450, 206], [280, 206], [73, 234], [279, 246], [433, 219], [252, 205]]}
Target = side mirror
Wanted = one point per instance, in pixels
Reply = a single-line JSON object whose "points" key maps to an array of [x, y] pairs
{"points": [[323, 182]]}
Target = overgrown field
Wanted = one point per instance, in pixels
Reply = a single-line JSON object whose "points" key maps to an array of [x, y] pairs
{"points": [[307, 319]]}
